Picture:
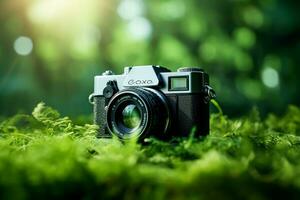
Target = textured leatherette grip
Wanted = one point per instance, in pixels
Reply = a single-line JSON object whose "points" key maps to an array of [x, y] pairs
{"points": [[189, 111], [100, 116], [193, 112]]}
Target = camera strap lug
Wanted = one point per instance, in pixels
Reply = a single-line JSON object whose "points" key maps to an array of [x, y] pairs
{"points": [[209, 93], [91, 99]]}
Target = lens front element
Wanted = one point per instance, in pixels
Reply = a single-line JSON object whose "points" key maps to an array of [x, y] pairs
{"points": [[131, 116]]}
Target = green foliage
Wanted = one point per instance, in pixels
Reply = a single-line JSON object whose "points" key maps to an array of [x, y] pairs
{"points": [[44, 155]]}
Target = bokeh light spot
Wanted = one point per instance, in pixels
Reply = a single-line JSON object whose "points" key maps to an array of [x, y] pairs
{"points": [[242, 61], [130, 9], [23, 45], [245, 37], [270, 77], [85, 43], [140, 28], [172, 9], [179, 54], [251, 88], [196, 27], [253, 16], [208, 51]]}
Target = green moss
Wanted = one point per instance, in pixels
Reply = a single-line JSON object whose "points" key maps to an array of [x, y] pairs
{"points": [[44, 155]]}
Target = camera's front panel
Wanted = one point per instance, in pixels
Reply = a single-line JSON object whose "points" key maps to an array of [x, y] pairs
{"points": [[188, 111]]}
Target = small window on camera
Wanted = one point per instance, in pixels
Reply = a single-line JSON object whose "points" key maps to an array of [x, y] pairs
{"points": [[179, 83]]}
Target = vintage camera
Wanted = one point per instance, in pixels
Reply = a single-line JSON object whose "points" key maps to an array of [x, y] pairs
{"points": [[152, 101]]}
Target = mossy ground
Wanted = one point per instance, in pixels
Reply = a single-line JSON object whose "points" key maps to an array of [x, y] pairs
{"points": [[45, 156]]}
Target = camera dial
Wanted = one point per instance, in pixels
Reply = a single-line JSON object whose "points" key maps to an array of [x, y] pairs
{"points": [[107, 73], [110, 89], [189, 69]]}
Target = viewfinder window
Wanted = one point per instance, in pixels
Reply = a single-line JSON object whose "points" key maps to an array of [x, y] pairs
{"points": [[179, 83]]}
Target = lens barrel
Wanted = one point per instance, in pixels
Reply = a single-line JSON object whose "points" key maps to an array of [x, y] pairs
{"points": [[137, 113]]}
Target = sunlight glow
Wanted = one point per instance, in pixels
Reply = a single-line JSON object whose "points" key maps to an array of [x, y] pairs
{"points": [[23, 45], [72, 23], [63, 16], [48, 10]]}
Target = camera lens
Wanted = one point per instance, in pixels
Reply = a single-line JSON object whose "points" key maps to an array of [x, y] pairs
{"points": [[136, 113]]}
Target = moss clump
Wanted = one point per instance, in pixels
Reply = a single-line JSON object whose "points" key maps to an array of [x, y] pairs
{"points": [[46, 156]]}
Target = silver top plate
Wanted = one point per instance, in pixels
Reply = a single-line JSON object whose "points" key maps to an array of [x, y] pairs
{"points": [[152, 76]]}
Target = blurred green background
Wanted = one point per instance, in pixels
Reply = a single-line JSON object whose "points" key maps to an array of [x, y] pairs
{"points": [[51, 49]]}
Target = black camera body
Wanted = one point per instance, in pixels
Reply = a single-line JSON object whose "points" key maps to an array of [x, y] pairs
{"points": [[152, 101]]}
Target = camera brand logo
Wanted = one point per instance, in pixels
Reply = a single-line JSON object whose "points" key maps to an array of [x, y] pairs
{"points": [[139, 82]]}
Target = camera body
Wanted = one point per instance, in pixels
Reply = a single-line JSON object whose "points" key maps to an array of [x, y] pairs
{"points": [[152, 101]]}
